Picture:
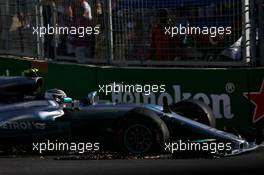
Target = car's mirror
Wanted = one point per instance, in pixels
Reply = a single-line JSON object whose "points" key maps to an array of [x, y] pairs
{"points": [[93, 97], [90, 99]]}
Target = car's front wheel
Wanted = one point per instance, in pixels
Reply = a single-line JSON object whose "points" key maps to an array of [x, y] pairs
{"points": [[143, 132], [138, 138]]}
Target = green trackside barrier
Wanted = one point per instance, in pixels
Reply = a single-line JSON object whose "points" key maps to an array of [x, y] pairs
{"points": [[13, 67], [225, 90], [76, 80], [222, 89]]}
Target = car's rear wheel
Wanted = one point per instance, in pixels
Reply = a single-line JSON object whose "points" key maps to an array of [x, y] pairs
{"points": [[195, 110], [143, 132]]}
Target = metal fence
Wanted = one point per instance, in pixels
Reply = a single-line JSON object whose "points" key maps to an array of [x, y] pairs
{"points": [[140, 31], [17, 17], [133, 32], [260, 32], [93, 47]]}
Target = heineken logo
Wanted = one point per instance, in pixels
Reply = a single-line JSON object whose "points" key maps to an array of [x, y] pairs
{"points": [[220, 103]]}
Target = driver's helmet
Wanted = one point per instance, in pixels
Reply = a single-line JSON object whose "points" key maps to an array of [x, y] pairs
{"points": [[55, 94]]}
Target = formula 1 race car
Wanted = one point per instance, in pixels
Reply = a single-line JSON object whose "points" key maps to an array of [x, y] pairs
{"points": [[135, 129]]}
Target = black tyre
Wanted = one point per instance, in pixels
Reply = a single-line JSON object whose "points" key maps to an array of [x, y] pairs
{"points": [[195, 110], [143, 132]]}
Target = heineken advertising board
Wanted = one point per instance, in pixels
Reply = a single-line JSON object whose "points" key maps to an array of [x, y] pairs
{"points": [[236, 95]]}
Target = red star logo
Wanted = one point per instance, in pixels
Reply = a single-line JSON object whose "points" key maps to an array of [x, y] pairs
{"points": [[257, 98]]}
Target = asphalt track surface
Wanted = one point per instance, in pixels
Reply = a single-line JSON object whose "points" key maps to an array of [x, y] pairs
{"points": [[252, 163]]}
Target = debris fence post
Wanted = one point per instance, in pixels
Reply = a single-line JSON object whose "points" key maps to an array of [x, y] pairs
{"points": [[110, 32]]}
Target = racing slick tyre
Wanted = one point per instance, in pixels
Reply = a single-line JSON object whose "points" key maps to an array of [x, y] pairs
{"points": [[143, 133], [195, 110]]}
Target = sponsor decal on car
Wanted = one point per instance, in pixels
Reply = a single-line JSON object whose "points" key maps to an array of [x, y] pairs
{"points": [[21, 125]]}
